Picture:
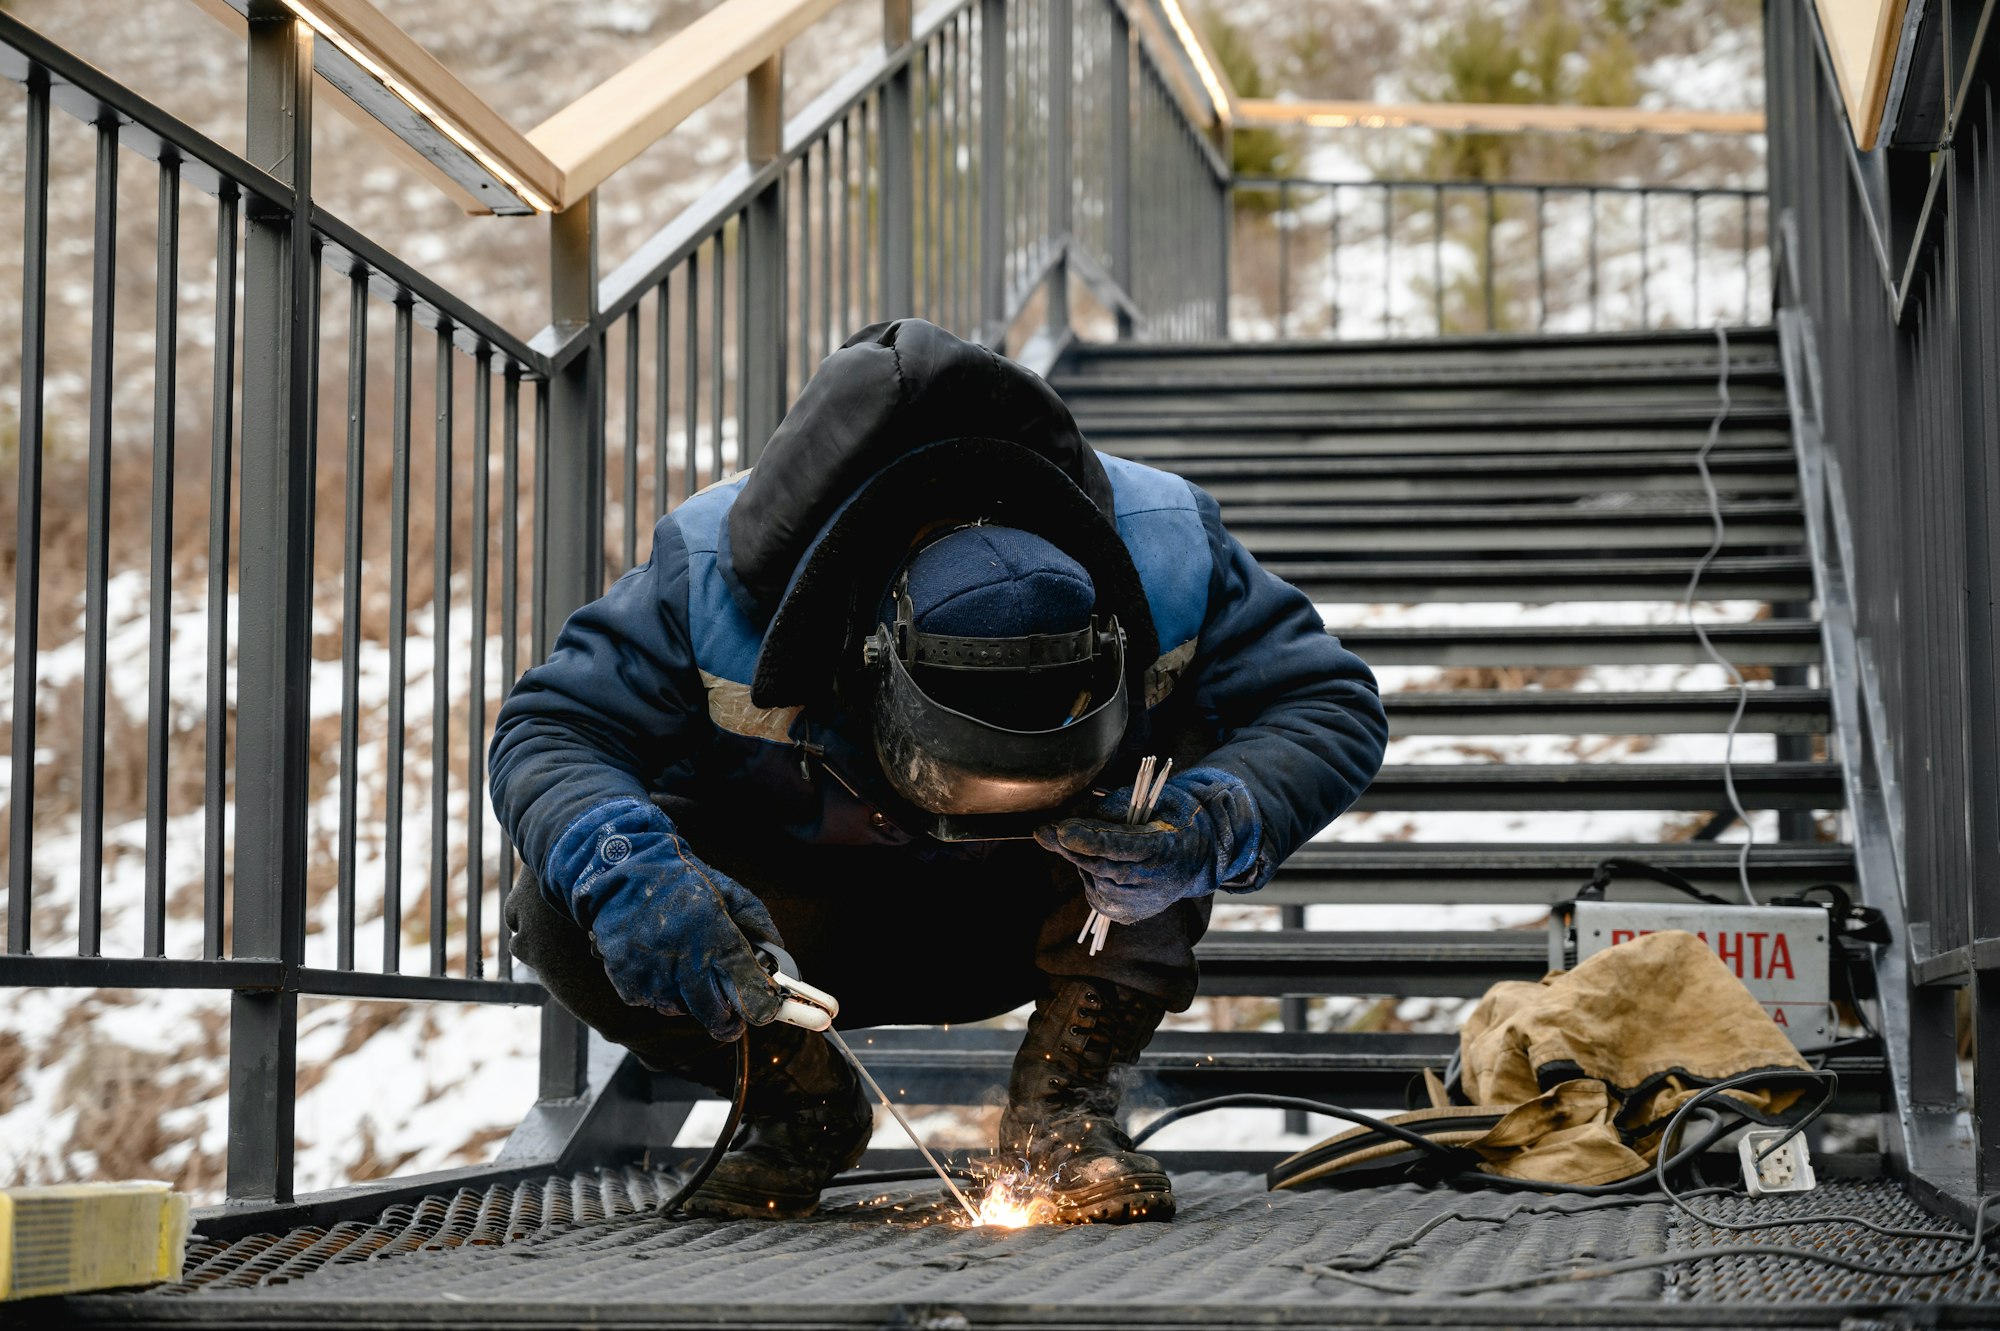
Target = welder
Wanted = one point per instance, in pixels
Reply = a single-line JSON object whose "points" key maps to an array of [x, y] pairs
{"points": [[883, 697]]}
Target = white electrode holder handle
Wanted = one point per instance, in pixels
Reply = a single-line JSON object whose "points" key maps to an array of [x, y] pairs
{"points": [[805, 1006]]}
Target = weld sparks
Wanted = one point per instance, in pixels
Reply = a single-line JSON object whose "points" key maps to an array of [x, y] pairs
{"points": [[1015, 1201]]}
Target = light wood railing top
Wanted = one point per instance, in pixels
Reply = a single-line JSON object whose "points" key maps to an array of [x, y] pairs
{"points": [[1502, 118]]}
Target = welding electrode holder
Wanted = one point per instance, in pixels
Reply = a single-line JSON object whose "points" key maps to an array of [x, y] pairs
{"points": [[804, 1006]]}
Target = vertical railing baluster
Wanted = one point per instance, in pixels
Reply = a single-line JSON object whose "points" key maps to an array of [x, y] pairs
{"points": [[160, 698], [663, 411], [399, 633], [718, 292], [1746, 256], [923, 227], [510, 609], [1590, 198], [1694, 259], [28, 515], [275, 660], [1541, 259], [97, 544], [845, 323], [221, 469], [1491, 222], [1284, 257], [1437, 256], [760, 259], [1061, 185], [441, 483], [475, 665], [1645, 260], [803, 305], [1118, 191], [897, 202], [691, 386], [631, 550], [1333, 266], [1388, 251], [540, 632], [966, 281], [867, 224], [993, 73], [826, 333], [350, 620]]}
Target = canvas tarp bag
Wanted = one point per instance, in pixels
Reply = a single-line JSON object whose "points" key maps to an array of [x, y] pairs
{"points": [[1572, 1079]]}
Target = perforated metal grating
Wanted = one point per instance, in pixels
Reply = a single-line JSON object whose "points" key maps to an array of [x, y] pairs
{"points": [[497, 1215], [594, 1247]]}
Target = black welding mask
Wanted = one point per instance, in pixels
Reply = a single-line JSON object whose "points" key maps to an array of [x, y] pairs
{"points": [[998, 686]]}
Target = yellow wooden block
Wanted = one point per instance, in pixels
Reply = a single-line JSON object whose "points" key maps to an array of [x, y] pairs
{"points": [[78, 1236]]}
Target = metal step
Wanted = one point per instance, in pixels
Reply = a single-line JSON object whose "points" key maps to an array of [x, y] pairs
{"points": [[1445, 355], [1731, 577], [969, 1065], [1582, 786], [1766, 642], [1203, 416], [1782, 710], [1437, 530], [1168, 447], [1241, 481], [1534, 874], [1635, 378], [1428, 964], [1437, 401]]}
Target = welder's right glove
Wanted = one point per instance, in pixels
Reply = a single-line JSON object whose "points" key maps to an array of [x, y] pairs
{"points": [[675, 934]]}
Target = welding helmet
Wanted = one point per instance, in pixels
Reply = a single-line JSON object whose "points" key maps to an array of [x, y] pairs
{"points": [[997, 687]]}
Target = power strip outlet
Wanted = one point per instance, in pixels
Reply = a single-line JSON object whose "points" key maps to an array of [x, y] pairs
{"points": [[1787, 1169]]}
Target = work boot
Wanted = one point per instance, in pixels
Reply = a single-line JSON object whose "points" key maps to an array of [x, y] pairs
{"points": [[806, 1120], [1062, 1106]]}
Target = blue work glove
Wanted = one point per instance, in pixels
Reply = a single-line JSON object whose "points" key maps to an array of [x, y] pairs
{"points": [[674, 933], [1203, 834]]}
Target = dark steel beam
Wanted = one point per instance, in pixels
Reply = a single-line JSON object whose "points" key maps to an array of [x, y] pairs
{"points": [[275, 599]]}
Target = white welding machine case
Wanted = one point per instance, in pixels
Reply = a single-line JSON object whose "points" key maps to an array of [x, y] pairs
{"points": [[1780, 953]]}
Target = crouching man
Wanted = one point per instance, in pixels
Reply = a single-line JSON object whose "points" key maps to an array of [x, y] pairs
{"points": [[883, 698]]}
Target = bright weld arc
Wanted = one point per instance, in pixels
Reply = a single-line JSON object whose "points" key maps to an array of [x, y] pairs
{"points": [[416, 102]]}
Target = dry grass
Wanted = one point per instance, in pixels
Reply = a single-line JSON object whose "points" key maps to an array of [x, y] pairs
{"points": [[13, 1068], [121, 1096]]}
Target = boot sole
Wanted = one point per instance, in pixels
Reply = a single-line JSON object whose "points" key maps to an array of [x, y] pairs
{"points": [[1120, 1201]]}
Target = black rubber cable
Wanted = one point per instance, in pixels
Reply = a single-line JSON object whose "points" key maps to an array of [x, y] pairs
{"points": [[707, 1166]]}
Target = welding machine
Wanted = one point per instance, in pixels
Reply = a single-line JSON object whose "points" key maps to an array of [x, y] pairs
{"points": [[1787, 953]]}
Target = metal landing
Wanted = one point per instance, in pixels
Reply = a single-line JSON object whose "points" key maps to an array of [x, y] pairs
{"points": [[591, 1251]]}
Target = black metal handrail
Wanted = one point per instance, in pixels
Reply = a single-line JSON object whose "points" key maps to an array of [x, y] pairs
{"points": [[1890, 322], [940, 179], [1380, 248]]}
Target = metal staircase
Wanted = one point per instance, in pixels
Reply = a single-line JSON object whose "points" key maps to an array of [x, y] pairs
{"points": [[1541, 470]]}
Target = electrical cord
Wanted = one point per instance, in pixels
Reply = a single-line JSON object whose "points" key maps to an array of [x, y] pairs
{"points": [[707, 1166], [1697, 1104], [1701, 633]]}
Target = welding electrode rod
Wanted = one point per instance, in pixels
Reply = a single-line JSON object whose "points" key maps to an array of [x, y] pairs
{"points": [[909, 1131]]}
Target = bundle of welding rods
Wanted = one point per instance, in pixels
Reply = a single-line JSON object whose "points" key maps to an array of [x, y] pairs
{"points": [[1145, 794]]}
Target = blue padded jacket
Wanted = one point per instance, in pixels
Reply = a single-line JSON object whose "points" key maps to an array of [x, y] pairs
{"points": [[648, 690]]}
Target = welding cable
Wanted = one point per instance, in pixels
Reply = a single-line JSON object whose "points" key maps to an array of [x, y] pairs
{"points": [[1453, 1156], [1251, 1099], [1701, 633], [1698, 1104], [672, 1206]]}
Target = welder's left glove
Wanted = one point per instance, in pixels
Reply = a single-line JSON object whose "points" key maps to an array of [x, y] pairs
{"points": [[1204, 834]]}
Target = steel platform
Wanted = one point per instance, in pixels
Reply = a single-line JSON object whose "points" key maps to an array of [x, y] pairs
{"points": [[594, 1250]]}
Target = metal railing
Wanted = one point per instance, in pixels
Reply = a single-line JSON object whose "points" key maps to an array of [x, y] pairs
{"points": [[1427, 258], [1891, 327], [996, 157]]}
